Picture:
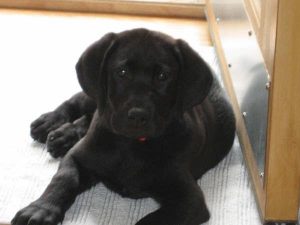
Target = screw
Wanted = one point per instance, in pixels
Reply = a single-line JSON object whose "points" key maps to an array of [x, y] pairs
{"points": [[218, 19], [268, 85], [244, 114], [250, 33], [261, 174], [229, 65]]}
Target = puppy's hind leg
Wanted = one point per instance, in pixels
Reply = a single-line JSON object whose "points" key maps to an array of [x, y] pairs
{"points": [[70, 110], [181, 199], [65, 137]]}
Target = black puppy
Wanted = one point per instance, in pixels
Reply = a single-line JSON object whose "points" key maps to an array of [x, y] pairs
{"points": [[152, 120]]}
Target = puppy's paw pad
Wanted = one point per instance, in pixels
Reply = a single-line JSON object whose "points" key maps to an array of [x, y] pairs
{"points": [[40, 128], [62, 139]]}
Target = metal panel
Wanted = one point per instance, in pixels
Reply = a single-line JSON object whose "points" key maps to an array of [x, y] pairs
{"points": [[248, 72]]}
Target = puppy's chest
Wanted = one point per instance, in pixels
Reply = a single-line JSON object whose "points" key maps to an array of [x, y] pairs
{"points": [[134, 173], [131, 177]]}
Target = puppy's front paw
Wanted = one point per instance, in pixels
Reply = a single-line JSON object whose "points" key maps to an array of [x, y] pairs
{"points": [[40, 128], [38, 214], [62, 139]]}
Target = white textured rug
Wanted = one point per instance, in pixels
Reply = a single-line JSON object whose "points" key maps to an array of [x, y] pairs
{"points": [[33, 76], [27, 169]]}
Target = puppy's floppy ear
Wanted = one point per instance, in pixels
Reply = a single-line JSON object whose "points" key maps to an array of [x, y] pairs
{"points": [[89, 67], [195, 76]]}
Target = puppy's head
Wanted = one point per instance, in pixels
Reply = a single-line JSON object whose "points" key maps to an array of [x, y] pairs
{"points": [[142, 80]]}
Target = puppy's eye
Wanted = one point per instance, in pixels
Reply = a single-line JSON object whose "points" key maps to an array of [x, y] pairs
{"points": [[162, 76], [122, 72]]}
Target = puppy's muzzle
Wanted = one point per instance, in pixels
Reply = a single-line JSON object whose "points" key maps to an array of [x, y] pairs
{"points": [[138, 117]]}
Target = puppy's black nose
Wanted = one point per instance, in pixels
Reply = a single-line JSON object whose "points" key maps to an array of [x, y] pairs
{"points": [[138, 116]]}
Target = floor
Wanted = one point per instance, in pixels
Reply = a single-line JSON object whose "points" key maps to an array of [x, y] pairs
{"points": [[172, 1], [50, 43], [40, 48]]}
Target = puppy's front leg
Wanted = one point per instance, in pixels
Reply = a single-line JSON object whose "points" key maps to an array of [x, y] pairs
{"points": [[182, 203], [49, 209]]}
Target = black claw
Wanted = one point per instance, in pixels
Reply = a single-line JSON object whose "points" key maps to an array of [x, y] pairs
{"points": [[51, 138]]}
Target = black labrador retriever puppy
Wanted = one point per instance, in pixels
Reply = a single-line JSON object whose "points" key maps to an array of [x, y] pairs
{"points": [[151, 121]]}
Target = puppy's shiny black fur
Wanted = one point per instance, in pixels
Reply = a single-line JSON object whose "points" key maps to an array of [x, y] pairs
{"points": [[151, 121]]}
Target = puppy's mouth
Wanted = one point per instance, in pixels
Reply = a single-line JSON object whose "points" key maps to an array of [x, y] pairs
{"points": [[135, 133]]}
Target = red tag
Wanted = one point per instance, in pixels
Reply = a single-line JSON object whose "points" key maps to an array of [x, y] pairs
{"points": [[142, 139]]}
